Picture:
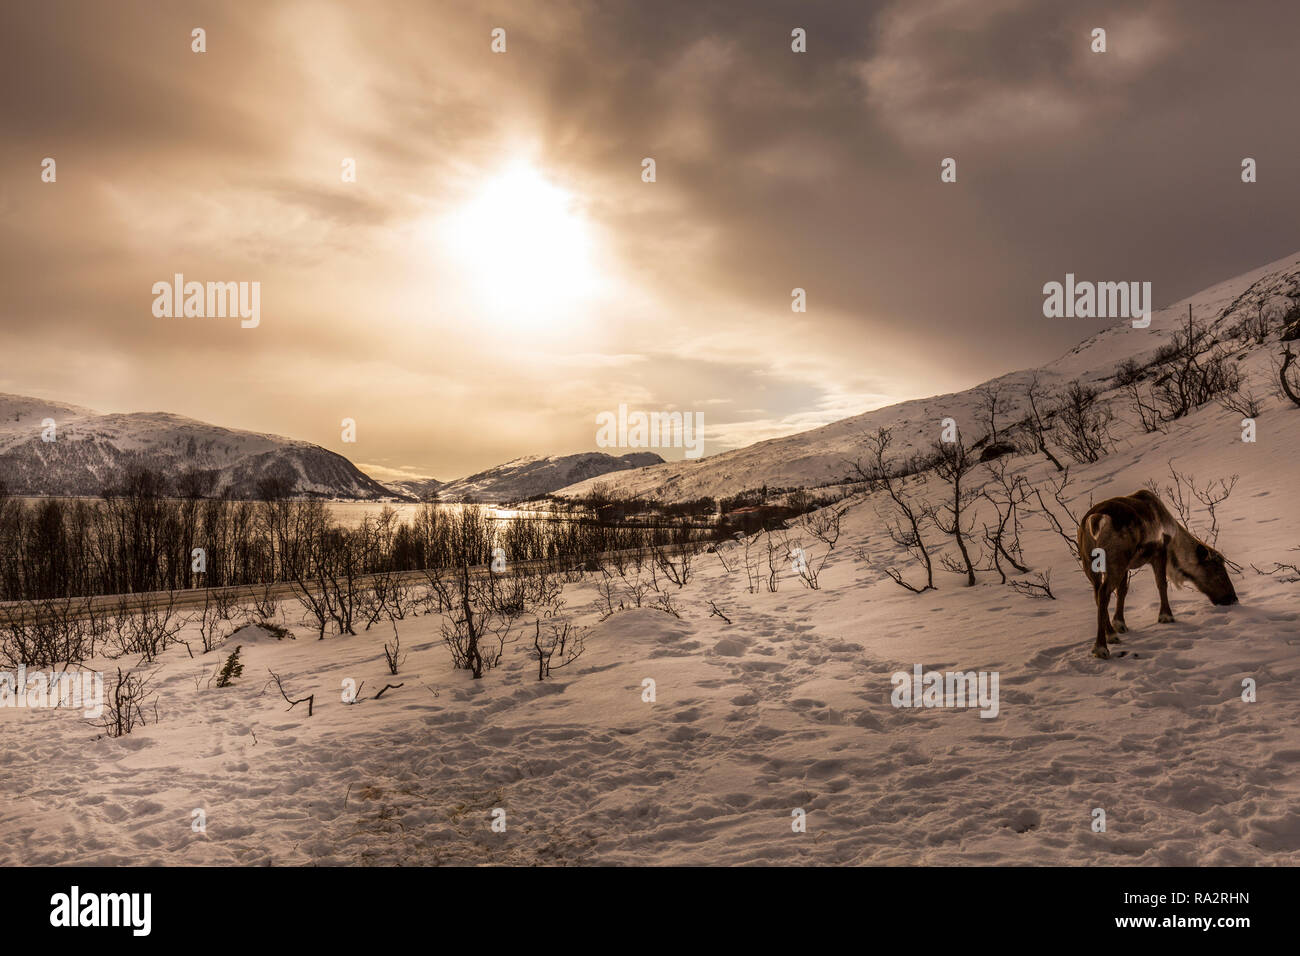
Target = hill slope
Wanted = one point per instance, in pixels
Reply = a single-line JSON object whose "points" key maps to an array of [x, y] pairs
{"points": [[821, 455], [534, 475]]}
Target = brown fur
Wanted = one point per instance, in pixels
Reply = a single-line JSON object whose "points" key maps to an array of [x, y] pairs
{"points": [[1136, 530]]}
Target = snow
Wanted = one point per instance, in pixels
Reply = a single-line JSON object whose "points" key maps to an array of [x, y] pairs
{"points": [[786, 708]]}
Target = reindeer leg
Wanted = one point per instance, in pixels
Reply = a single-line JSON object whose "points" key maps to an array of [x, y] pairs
{"points": [[1099, 648], [1119, 627], [1162, 585]]}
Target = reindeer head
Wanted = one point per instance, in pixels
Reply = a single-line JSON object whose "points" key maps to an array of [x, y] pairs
{"points": [[1205, 568]]}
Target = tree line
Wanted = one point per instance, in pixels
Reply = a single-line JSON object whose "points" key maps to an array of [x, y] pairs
{"points": [[149, 533]]}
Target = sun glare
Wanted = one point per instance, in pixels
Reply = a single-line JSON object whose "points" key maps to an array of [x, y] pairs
{"points": [[523, 246]]}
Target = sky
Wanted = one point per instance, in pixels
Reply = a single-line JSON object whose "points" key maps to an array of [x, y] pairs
{"points": [[499, 273]]}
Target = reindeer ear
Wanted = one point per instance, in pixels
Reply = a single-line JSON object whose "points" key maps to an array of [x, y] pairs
{"points": [[1202, 552]]}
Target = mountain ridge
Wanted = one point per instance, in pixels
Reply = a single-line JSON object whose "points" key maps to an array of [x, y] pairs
{"points": [[823, 455]]}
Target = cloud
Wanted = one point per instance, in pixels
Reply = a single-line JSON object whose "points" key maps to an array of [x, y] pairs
{"points": [[775, 170]]}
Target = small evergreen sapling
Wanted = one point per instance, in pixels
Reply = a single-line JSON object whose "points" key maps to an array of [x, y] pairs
{"points": [[231, 669]]}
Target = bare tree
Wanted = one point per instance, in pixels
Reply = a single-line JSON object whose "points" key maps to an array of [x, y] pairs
{"points": [[992, 401], [475, 630], [1289, 388], [878, 472], [676, 568], [1083, 423], [1059, 514], [560, 638], [1039, 398], [775, 554], [607, 589], [124, 708], [393, 655], [752, 575], [1006, 493], [953, 464], [824, 526]]}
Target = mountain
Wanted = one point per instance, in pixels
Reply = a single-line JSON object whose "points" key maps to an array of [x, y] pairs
{"points": [[533, 475], [91, 450], [421, 489], [822, 455]]}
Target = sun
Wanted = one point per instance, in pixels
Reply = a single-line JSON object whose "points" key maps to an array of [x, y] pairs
{"points": [[523, 247]]}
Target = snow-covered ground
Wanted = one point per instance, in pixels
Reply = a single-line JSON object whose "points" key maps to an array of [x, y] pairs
{"points": [[786, 708]]}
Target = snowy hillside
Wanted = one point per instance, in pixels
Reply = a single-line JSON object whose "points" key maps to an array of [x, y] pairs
{"points": [[421, 489], [91, 450], [533, 475], [821, 455]]}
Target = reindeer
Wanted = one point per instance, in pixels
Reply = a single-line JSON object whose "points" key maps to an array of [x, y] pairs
{"points": [[1136, 530]]}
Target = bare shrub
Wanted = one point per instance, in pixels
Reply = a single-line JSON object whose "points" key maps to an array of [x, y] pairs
{"points": [[907, 515], [145, 631], [1058, 513], [992, 401], [1197, 371], [607, 590], [1039, 586], [1129, 372], [776, 553], [824, 526], [953, 464], [1040, 400], [1279, 567], [475, 629], [125, 703], [265, 604], [393, 655], [1184, 492], [1006, 493], [1083, 424], [1242, 402], [309, 700], [675, 567], [559, 638], [47, 633]]}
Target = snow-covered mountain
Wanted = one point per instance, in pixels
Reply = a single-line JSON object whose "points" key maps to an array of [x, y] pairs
{"points": [[92, 450], [421, 489], [533, 475], [822, 455]]}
